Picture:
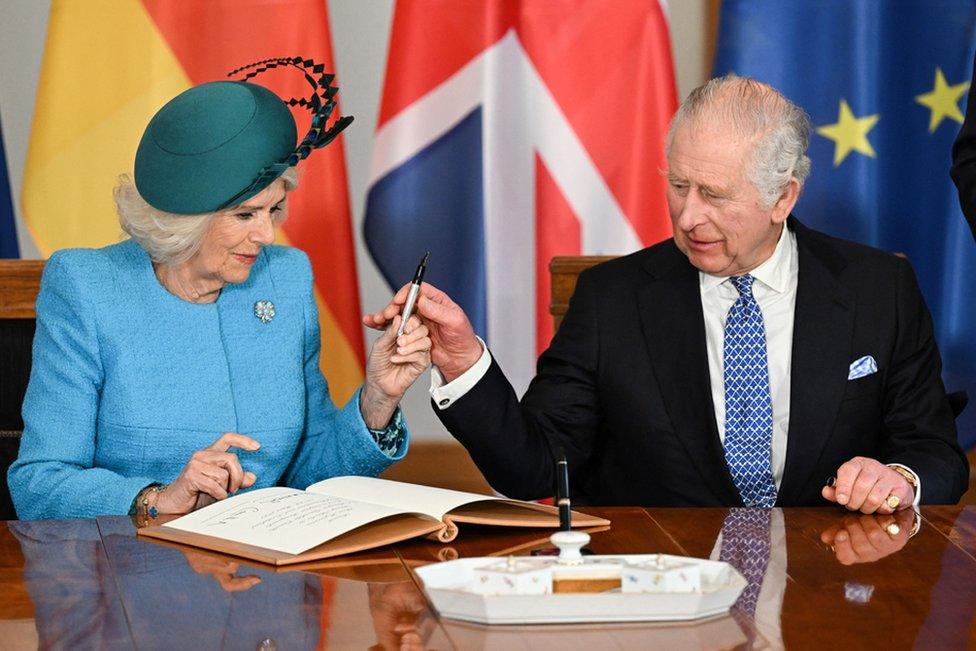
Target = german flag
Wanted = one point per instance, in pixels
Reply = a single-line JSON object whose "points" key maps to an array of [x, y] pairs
{"points": [[109, 65]]}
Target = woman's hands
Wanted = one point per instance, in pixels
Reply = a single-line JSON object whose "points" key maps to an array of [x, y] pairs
{"points": [[214, 472], [211, 474], [394, 363], [224, 572], [400, 616]]}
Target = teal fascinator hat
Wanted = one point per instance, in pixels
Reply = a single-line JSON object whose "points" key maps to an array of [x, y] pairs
{"points": [[220, 143]]}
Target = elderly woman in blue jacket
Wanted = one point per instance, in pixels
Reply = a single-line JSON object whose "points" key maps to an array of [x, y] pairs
{"points": [[182, 364]]}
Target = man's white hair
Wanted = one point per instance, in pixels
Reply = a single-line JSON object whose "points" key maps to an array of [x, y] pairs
{"points": [[169, 238], [779, 129]]}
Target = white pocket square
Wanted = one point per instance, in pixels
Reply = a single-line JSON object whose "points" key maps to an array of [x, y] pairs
{"points": [[862, 368]]}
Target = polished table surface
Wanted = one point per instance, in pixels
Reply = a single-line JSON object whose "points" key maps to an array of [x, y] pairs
{"points": [[826, 579]]}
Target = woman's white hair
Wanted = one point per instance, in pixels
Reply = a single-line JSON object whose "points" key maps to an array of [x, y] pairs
{"points": [[755, 111], [169, 238]]}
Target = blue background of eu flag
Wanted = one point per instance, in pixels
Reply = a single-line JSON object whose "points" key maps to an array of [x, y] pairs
{"points": [[8, 234], [879, 57]]}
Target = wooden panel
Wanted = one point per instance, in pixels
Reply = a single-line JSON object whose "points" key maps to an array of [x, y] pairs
{"points": [[444, 465], [20, 280], [15, 600], [564, 270], [958, 525]]}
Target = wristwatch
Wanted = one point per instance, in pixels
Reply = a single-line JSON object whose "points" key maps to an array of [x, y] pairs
{"points": [[909, 476]]}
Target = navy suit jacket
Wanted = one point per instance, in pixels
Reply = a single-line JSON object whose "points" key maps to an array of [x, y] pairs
{"points": [[624, 387], [963, 170]]}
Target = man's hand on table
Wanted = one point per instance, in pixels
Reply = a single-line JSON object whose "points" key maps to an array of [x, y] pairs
{"points": [[869, 486]]}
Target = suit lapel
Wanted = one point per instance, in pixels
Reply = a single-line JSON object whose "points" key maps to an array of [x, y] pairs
{"points": [[674, 328], [823, 325]]}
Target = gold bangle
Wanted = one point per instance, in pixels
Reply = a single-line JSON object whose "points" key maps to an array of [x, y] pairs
{"points": [[145, 510]]}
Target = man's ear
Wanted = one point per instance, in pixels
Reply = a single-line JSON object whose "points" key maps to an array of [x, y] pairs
{"points": [[784, 205]]}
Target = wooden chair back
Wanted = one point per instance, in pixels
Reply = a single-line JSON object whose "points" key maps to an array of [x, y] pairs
{"points": [[564, 271], [20, 281]]}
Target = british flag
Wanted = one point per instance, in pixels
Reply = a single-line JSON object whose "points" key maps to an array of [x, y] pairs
{"points": [[511, 131]]}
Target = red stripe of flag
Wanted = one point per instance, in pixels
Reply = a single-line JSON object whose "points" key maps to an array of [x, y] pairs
{"points": [[611, 73]]}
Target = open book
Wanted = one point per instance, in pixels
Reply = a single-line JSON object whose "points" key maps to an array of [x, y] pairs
{"points": [[344, 515]]}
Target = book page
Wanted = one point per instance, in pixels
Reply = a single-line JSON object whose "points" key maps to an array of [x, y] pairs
{"points": [[282, 519], [397, 495]]}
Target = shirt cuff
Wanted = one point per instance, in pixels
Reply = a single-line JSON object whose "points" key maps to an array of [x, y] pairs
{"points": [[390, 438], [444, 394], [918, 481]]}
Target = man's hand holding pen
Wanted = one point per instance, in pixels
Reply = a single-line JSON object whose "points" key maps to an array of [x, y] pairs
{"points": [[455, 348]]}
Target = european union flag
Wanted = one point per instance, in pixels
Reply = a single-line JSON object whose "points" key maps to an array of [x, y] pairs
{"points": [[883, 83], [8, 234]]}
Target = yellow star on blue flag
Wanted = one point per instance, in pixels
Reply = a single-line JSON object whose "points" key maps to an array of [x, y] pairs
{"points": [[943, 100], [849, 133]]}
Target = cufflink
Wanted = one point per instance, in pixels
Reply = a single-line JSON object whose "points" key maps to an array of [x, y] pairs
{"points": [[444, 402]]}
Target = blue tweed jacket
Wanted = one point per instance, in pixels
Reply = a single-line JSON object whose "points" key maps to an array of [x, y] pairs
{"points": [[129, 380]]}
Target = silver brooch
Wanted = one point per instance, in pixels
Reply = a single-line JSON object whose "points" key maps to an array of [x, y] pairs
{"points": [[264, 310]]}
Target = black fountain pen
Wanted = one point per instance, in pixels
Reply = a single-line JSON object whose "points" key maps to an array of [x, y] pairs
{"points": [[568, 542], [562, 493]]}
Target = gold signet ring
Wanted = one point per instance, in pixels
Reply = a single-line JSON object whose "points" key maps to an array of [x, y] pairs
{"points": [[893, 529], [892, 501]]}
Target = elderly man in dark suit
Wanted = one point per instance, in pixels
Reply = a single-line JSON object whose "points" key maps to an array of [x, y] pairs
{"points": [[747, 361], [963, 170]]}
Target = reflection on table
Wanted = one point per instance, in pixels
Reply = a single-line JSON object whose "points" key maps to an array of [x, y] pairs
{"points": [[821, 577]]}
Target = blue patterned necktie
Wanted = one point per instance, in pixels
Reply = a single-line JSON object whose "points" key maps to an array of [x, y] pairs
{"points": [[746, 547], [748, 406]]}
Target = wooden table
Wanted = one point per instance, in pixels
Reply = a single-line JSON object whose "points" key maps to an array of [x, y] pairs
{"points": [[829, 580]]}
